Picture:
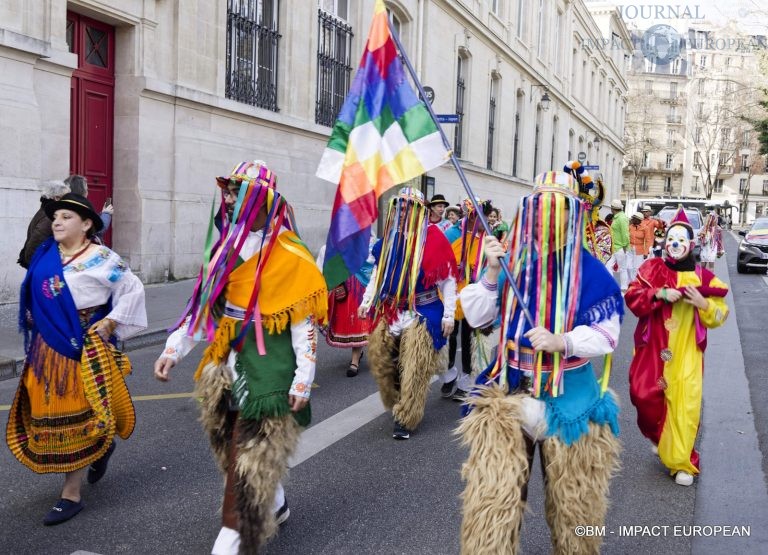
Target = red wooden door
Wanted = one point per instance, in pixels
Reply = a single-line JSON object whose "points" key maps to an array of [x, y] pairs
{"points": [[92, 106]]}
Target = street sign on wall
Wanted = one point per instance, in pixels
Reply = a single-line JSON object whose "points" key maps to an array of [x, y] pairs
{"points": [[582, 156], [448, 118], [591, 167]]}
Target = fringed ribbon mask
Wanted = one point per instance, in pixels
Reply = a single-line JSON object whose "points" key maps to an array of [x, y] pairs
{"points": [[545, 261], [402, 249]]}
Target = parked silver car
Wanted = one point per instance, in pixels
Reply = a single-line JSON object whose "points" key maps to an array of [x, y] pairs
{"points": [[753, 248]]}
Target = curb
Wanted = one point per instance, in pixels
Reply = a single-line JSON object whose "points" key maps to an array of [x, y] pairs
{"points": [[10, 368]]}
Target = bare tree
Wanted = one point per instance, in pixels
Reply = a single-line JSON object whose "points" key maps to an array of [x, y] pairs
{"points": [[756, 160], [714, 127], [638, 136]]}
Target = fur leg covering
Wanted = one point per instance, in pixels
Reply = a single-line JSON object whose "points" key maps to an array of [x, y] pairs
{"points": [[382, 350], [495, 473], [263, 449], [211, 389], [418, 363], [483, 350], [576, 484]]}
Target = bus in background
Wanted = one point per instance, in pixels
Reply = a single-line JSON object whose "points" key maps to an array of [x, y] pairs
{"points": [[703, 205]]}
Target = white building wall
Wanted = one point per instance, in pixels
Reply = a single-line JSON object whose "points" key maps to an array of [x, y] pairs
{"points": [[175, 130]]}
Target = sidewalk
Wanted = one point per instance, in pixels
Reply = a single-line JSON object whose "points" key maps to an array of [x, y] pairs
{"points": [[165, 301], [731, 488]]}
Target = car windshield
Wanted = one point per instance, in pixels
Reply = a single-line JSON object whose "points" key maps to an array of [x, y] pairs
{"points": [[693, 216]]}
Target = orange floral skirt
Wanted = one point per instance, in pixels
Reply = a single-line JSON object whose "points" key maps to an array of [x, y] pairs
{"points": [[66, 417]]}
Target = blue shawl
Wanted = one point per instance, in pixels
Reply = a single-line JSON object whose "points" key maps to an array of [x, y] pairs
{"points": [[45, 296]]}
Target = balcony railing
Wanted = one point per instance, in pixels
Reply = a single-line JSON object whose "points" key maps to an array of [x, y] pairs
{"points": [[674, 119], [674, 168]]}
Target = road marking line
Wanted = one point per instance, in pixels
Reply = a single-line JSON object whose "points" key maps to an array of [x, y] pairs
{"points": [[139, 398], [334, 428], [163, 396], [320, 436]]}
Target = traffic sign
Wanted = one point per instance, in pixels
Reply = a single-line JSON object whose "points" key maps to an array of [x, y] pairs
{"points": [[430, 92], [448, 118], [582, 156], [591, 167]]}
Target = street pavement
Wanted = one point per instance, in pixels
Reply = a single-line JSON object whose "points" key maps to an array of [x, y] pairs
{"points": [[353, 489]]}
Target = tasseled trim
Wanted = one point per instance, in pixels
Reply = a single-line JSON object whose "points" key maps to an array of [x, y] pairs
{"points": [[262, 406], [56, 371], [439, 273], [316, 304], [604, 411], [218, 351], [602, 310]]}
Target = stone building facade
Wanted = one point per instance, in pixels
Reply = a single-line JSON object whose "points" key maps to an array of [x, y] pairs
{"points": [[151, 99], [688, 131]]}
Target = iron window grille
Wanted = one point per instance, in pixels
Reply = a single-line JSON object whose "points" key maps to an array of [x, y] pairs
{"points": [[491, 129], [458, 134], [516, 141], [252, 52], [536, 151], [334, 54]]}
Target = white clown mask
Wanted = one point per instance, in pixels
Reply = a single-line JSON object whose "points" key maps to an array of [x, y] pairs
{"points": [[679, 243]]}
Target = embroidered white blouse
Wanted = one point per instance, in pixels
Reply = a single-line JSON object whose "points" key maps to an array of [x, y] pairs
{"points": [[93, 280]]}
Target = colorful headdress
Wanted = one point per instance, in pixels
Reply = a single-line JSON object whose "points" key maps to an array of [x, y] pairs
{"points": [[545, 261], [592, 195], [402, 249], [250, 171], [256, 194]]}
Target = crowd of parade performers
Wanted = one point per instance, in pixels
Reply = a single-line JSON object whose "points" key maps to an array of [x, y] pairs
{"points": [[434, 279]]}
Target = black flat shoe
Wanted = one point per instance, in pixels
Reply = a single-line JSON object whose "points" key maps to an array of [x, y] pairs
{"points": [[352, 370], [62, 511], [97, 470]]}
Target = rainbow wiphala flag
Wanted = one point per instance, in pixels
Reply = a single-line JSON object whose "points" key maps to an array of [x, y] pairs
{"points": [[383, 136]]}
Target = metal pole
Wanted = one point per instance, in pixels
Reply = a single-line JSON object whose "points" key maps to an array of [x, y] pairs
{"points": [[459, 171]]}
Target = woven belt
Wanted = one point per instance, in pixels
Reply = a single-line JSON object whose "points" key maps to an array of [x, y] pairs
{"points": [[426, 297], [234, 312], [85, 314], [526, 359]]}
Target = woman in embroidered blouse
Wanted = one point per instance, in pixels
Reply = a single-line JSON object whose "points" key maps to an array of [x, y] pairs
{"points": [[71, 399]]}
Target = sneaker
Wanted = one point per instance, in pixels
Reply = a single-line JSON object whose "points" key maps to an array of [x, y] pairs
{"points": [[459, 395], [282, 514], [62, 511], [682, 478], [448, 388], [400, 431], [97, 470]]}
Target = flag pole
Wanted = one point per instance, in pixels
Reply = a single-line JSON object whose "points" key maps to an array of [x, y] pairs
{"points": [[459, 169]]}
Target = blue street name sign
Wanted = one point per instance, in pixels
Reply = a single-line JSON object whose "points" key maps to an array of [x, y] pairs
{"points": [[591, 167], [448, 118]]}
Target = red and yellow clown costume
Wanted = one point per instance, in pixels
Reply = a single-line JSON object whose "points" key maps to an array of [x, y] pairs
{"points": [[257, 299], [666, 373]]}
